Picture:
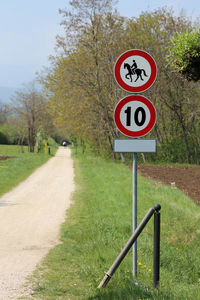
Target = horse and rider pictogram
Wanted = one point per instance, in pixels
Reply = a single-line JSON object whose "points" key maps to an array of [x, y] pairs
{"points": [[134, 70]]}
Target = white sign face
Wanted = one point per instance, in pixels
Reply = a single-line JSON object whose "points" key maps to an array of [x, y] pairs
{"points": [[135, 71], [135, 116]]}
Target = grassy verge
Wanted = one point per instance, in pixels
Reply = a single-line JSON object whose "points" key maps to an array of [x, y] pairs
{"points": [[99, 224], [15, 170]]}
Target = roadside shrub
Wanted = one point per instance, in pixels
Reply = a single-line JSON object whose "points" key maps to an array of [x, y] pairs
{"points": [[184, 54], [3, 139]]}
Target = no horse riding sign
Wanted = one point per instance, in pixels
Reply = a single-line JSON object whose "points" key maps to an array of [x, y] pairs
{"points": [[135, 71]]}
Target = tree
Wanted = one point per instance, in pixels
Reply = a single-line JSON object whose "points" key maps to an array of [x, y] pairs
{"points": [[27, 106], [81, 17], [80, 87], [81, 84], [4, 112], [171, 93], [184, 54]]}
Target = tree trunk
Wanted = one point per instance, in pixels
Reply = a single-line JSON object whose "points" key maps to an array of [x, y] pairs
{"points": [[111, 148], [143, 157], [122, 157], [30, 139], [187, 151]]}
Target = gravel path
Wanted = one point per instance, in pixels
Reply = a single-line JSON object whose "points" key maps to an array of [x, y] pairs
{"points": [[30, 219]]}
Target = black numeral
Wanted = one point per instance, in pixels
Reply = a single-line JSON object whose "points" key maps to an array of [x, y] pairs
{"points": [[136, 116], [128, 116], [138, 121]]}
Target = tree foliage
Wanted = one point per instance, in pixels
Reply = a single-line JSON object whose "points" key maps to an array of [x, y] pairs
{"points": [[81, 92], [29, 117], [184, 53]]}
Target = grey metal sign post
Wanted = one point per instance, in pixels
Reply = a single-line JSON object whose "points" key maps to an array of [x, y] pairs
{"points": [[134, 146], [134, 212], [135, 115]]}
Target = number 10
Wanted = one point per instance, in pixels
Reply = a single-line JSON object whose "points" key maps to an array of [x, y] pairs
{"points": [[139, 110]]}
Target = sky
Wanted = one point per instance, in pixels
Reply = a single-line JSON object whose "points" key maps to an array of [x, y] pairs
{"points": [[28, 29]]}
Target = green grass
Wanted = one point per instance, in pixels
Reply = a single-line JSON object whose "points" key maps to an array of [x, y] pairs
{"points": [[98, 225], [15, 170]]}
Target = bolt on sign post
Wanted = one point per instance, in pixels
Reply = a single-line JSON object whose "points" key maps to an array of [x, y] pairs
{"points": [[135, 71]]}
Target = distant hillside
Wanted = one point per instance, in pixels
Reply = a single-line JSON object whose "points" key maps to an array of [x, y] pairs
{"points": [[6, 93]]}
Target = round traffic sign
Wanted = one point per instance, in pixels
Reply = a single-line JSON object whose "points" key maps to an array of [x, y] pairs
{"points": [[135, 71], [134, 115]]}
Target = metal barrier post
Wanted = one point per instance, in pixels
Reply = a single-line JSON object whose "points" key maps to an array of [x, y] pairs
{"points": [[126, 248], [156, 251]]}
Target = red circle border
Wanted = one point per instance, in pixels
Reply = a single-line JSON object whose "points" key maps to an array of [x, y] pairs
{"points": [[124, 101], [143, 87]]}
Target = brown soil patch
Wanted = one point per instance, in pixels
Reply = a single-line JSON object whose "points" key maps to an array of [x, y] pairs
{"points": [[7, 157], [187, 179]]}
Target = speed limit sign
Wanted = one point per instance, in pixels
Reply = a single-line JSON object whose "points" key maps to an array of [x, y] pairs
{"points": [[135, 115]]}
